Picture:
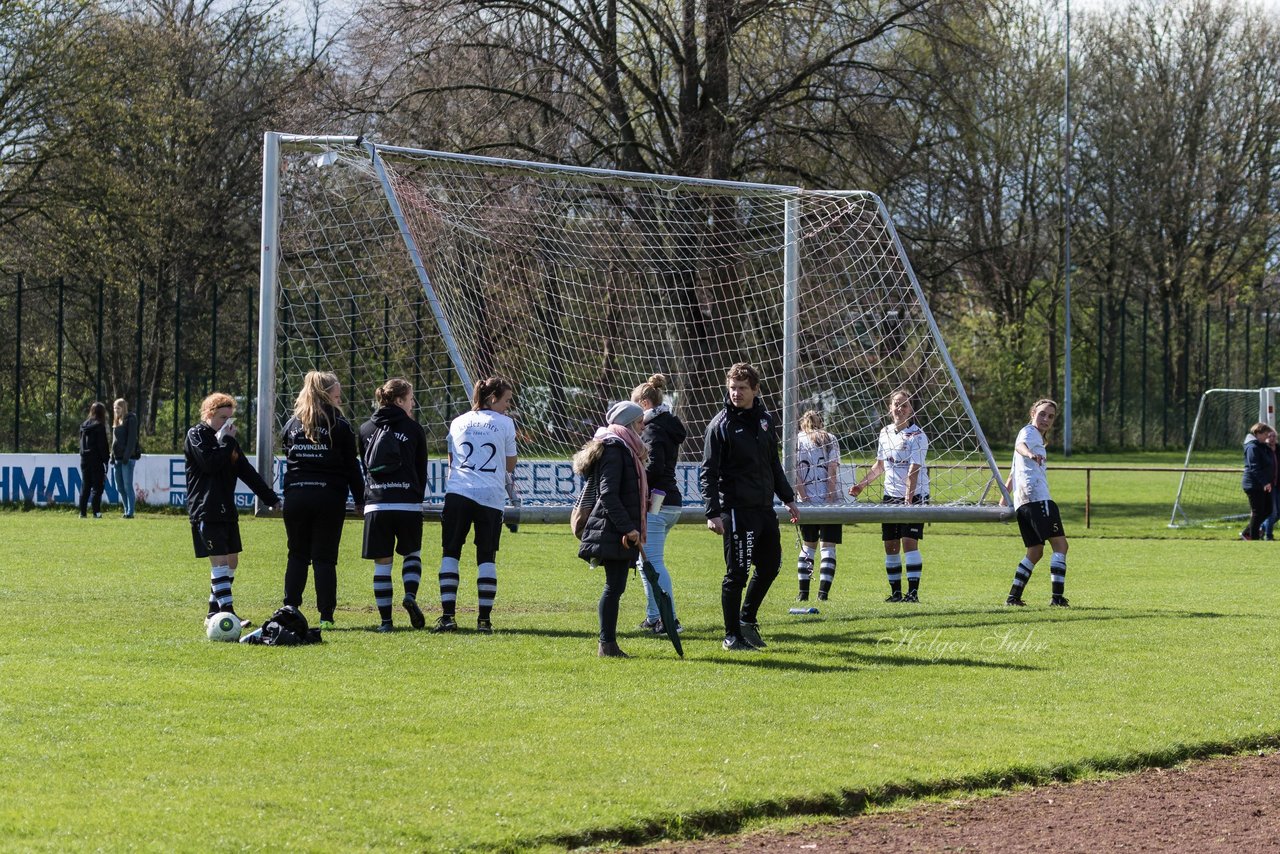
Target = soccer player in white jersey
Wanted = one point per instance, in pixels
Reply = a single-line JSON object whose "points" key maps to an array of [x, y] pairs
{"points": [[1038, 517], [817, 472], [900, 457], [482, 462]]}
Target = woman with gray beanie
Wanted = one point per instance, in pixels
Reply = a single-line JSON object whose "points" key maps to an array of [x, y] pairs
{"points": [[615, 529]]}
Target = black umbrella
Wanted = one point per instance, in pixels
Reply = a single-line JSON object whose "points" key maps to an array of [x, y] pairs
{"points": [[666, 611]]}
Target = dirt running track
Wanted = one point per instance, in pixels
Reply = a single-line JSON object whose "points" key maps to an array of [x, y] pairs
{"points": [[1218, 805]]}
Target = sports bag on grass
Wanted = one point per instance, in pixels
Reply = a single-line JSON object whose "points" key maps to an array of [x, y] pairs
{"points": [[584, 504]]}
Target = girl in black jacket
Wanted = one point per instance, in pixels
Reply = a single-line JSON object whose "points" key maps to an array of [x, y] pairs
{"points": [[321, 466], [124, 454], [394, 449], [215, 462], [663, 435], [93, 459], [616, 527]]}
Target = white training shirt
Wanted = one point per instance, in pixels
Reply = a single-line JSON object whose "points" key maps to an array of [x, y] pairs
{"points": [[812, 462], [479, 444], [899, 450], [1029, 481]]}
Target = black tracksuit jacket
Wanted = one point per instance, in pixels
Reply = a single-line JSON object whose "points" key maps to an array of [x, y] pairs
{"points": [[213, 468], [741, 461], [663, 435], [407, 484], [330, 465]]}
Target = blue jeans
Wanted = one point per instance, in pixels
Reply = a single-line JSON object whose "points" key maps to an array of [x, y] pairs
{"points": [[122, 477], [659, 524]]}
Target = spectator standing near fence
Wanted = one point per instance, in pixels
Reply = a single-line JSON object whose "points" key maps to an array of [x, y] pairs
{"points": [[94, 456], [124, 454]]}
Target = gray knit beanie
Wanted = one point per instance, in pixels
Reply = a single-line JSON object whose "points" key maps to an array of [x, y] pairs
{"points": [[624, 412]]}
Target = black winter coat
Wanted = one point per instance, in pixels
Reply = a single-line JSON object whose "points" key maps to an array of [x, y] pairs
{"points": [[617, 510], [663, 435], [741, 461], [330, 464], [213, 468], [407, 484], [93, 443]]}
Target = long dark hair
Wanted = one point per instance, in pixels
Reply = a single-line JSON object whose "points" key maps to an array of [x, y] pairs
{"points": [[98, 412]]}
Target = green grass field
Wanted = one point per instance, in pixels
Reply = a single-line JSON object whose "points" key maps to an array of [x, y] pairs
{"points": [[124, 728]]}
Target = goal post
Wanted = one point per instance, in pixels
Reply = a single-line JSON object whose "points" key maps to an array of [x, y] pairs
{"points": [[1209, 488], [578, 284]]}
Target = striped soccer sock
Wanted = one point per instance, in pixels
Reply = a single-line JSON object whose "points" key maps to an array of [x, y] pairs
{"points": [[448, 585], [486, 588], [1058, 572], [893, 568], [915, 565], [220, 589], [826, 571], [411, 573], [382, 590], [1021, 576], [804, 570]]}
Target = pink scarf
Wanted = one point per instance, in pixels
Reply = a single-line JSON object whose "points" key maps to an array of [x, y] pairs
{"points": [[633, 443]]}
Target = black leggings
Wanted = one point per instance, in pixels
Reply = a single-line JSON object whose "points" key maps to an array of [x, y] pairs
{"points": [[94, 476], [615, 582], [313, 521], [1259, 510]]}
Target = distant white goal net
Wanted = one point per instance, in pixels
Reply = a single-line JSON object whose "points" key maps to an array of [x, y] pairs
{"points": [[577, 284], [1209, 490]]}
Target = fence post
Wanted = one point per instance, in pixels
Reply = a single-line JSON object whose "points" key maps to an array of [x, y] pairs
{"points": [[17, 367], [102, 323], [1124, 314], [1164, 396], [137, 363], [57, 419], [1226, 344], [1248, 331], [1186, 374], [177, 356], [1145, 380], [1102, 303], [250, 395], [213, 341]]}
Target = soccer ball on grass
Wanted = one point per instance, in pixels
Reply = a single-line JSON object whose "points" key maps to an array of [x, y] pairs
{"points": [[223, 627]]}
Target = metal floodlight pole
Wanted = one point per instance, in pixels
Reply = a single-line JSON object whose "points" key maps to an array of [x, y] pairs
{"points": [[790, 333], [267, 308], [1066, 213]]}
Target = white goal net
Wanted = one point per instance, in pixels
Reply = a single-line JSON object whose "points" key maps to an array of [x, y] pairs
{"points": [[1209, 490], [577, 284]]}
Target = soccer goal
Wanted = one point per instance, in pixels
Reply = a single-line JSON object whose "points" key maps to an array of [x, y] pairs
{"points": [[578, 284], [1209, 489]]}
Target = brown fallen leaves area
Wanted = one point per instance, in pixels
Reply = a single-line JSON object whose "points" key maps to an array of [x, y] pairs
{"points": [[1216, 805]]}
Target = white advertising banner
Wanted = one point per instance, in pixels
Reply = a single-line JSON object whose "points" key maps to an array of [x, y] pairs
{"points": [[161, 480]]}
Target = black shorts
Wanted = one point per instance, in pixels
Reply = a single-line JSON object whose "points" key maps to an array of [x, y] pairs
{"points": [[903, 530], [1039, 522], [459, 515], [827, 533], [386, 531], [216, 538]]}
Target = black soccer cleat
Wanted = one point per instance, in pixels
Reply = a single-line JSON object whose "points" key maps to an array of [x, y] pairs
{"points": [[911, 597], [384, 628], [483, 626], [733, 643], [445, 623], [822, 597], [1059, 602], [803, 597], [416, 619], [750, 632], [1015, 601], [894, 597]]}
